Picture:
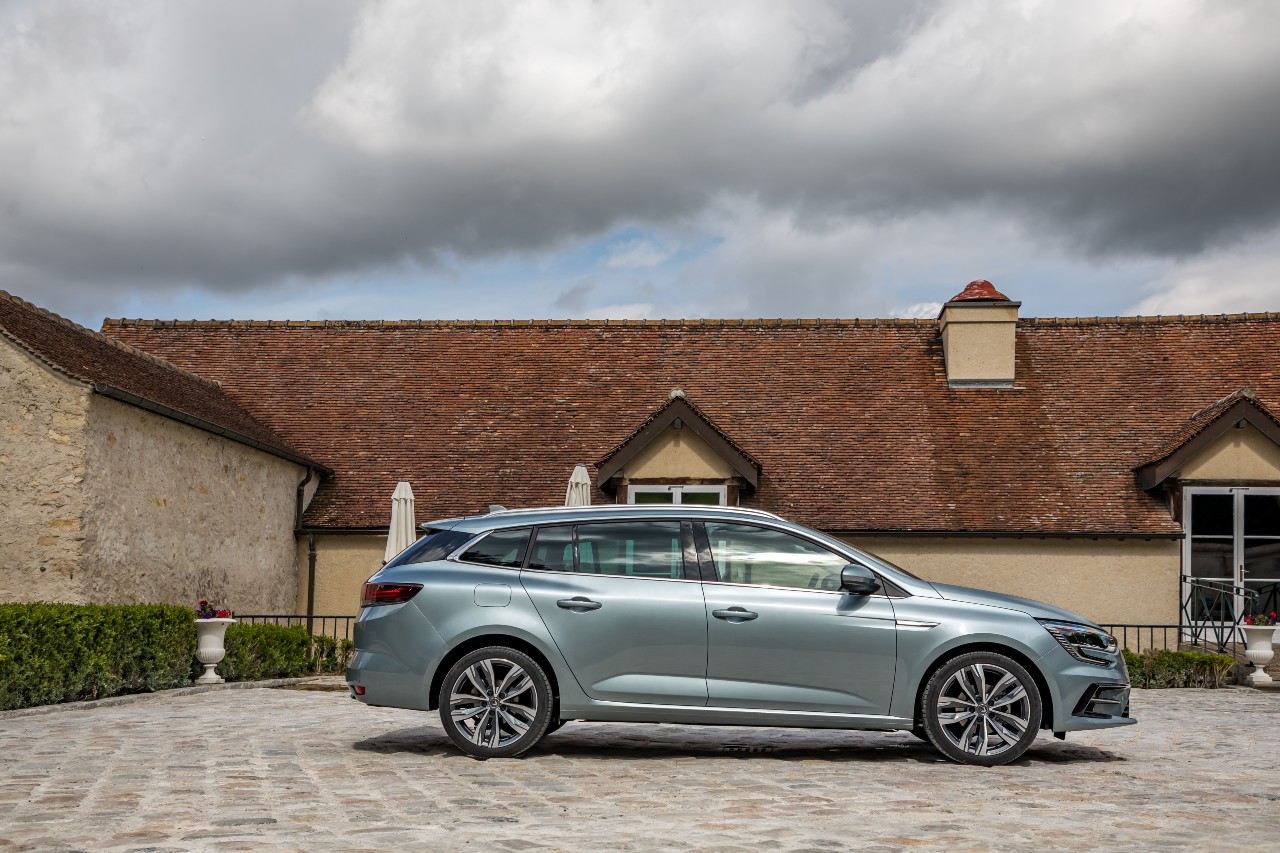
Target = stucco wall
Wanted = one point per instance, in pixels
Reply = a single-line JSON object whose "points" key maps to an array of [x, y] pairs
{"points": [[42, 464], [677, 453], [1130, 581], [343, 564], [174, 514], [1239, 454]]}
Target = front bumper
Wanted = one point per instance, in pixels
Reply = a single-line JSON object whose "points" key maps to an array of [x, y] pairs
{"points": [[1087, 696]]}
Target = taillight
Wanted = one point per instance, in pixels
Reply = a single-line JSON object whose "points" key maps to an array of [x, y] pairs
{"points": [[387, 593]]}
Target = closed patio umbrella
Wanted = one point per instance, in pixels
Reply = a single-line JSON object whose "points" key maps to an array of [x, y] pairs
{"points": [[402, 521], [579, 493]]}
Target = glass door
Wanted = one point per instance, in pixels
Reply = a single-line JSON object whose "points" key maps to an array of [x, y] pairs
{"points": [[1233, 541]]}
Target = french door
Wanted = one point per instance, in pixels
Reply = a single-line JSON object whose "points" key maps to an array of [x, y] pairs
{"points": [[1233, 540]]}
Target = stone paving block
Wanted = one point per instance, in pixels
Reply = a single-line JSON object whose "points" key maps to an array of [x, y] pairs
{"points": [[307, 770]]}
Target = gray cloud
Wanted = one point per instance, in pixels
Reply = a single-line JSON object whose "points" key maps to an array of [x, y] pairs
{"points": [[233, 146]]}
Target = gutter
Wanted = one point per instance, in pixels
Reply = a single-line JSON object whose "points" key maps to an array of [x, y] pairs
{"points": [[123, 396]]}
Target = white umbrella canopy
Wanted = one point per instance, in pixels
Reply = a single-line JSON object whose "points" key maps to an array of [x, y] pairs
{"points": [[579, 492], [403, 524]]}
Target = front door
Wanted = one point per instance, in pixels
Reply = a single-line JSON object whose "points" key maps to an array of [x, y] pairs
{"points": [[1234, 541], [616, 600], [781, 633]]}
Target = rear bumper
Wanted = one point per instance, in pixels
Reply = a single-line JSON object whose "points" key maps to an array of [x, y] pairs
{"points": [[396, 652]]}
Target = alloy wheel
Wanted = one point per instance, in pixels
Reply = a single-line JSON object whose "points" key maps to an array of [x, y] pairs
{"points": [[982, 708], [495, 702]]}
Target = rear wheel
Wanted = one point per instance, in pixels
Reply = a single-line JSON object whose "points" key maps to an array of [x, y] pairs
{"points": [[495, 702], [981, 708]]}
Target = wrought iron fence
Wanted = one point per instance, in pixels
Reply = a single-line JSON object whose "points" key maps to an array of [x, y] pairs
{"points": [[337, 627], [1140, 638], [1212, 612]]}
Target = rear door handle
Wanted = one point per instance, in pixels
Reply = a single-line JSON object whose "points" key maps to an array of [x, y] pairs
{"points": [[579, 604], [735, 614]]}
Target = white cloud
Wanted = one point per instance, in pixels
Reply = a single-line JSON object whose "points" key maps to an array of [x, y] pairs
{"points": [[1245, 278]]}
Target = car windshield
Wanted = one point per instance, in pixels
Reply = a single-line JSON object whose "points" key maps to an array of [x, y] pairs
{"points": [[881, 562]]}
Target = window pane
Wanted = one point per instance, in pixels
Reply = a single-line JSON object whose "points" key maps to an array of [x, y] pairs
{"points": [[634, 548], [1212, 515], [1261, 559], [1262, 515], [756, 555], [1211, 558], [499, 548], [652, 497], [553, 549], [706, 498]]}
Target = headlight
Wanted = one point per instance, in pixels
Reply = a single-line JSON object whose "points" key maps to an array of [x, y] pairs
{"points": [[1083, 642]]}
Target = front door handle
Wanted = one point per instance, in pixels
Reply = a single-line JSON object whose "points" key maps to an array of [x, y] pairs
{"points": [[735, 614], [579, 604]]}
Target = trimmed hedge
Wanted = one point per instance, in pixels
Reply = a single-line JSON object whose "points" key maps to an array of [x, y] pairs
{"points": [[1163, 668], [51, 653], [260, 652]]}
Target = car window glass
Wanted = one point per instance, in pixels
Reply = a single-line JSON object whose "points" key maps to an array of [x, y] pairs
{"points": [[552, 549], [433, 546], [499, 548], [744, 553], [633, 548]]}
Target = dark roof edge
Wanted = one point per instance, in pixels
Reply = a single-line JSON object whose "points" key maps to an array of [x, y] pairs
{"points": [[114, 393], [1152, 474], [679, 408]]}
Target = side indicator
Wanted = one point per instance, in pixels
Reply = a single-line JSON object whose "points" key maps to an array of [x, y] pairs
{"points": [[357, 689], [916, 624]]}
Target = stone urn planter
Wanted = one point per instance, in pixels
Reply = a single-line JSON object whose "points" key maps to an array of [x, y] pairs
{"points": [[1258, 649], [210, 648]]}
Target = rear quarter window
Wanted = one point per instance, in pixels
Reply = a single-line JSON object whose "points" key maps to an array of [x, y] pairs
{"points": [[433, 546]]}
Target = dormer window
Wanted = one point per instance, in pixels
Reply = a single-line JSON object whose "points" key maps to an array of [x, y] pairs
{"points": [[662, 494]]}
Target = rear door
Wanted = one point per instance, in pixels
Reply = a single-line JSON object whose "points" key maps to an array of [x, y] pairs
{"points": [[623, 602]]}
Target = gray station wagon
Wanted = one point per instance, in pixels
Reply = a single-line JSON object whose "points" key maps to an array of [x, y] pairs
{"points": [[516, 622]]}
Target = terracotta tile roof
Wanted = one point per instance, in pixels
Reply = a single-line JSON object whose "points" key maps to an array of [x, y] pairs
{"points": [[851, 421], [676, 398], [115, 369]]}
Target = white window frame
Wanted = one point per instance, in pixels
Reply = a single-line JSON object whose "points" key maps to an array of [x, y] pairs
{"points": [[678, 491], [1237, 538]]}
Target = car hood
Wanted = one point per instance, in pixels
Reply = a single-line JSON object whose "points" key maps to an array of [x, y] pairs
{"points": [[1035, 609]]}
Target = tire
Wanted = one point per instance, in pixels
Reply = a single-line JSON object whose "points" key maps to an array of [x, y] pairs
{"points": [[485, 722], [1005, 702], [555, 725]]}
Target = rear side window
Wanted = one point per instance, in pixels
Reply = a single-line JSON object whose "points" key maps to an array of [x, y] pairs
{"points": [[500, 548], [552, 550], [433, 546], [648, 549]]}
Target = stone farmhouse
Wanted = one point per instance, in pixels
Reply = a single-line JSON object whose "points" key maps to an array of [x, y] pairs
{"points": [[1088, 462]]}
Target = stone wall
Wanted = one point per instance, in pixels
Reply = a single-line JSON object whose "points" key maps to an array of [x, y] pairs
{"points": [[42, 466], [174, 514]]}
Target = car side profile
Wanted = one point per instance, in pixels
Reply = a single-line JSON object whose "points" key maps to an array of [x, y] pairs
{"points": [[511, 624]]}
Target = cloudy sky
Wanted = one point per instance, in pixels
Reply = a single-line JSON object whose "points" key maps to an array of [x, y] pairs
{"points": [[719, 158]]}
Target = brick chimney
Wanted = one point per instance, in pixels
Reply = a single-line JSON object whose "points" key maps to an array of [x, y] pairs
{"points": [[977, 328]]}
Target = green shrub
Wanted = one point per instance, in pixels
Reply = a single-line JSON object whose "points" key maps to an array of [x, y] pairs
{"points": [[265, 651], [260, 652], [1157, 668], [51, 653]]}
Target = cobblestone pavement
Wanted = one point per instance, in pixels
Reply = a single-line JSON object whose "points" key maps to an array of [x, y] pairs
{"points": [[290, 769]]}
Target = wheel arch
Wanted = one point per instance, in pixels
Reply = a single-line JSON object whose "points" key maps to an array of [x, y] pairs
{"points": [[1042, 684], [482, 641]]}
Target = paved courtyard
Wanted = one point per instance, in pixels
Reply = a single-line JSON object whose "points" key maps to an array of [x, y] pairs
{"points": [[308, 770]]}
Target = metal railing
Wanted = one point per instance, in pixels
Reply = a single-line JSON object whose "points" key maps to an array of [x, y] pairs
{"points": [[337, 627], [1140, 638], [1212, 612]]}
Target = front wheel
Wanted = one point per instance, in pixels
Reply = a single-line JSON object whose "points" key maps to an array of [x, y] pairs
{"points": [[981, 708], [495, 702]]}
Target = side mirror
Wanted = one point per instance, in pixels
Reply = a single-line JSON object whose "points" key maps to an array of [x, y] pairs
{"points": [[858, 580]]}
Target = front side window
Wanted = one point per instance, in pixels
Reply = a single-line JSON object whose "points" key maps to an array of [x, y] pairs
{"points": [[744, 553], [649, 549], [500, 548]]}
